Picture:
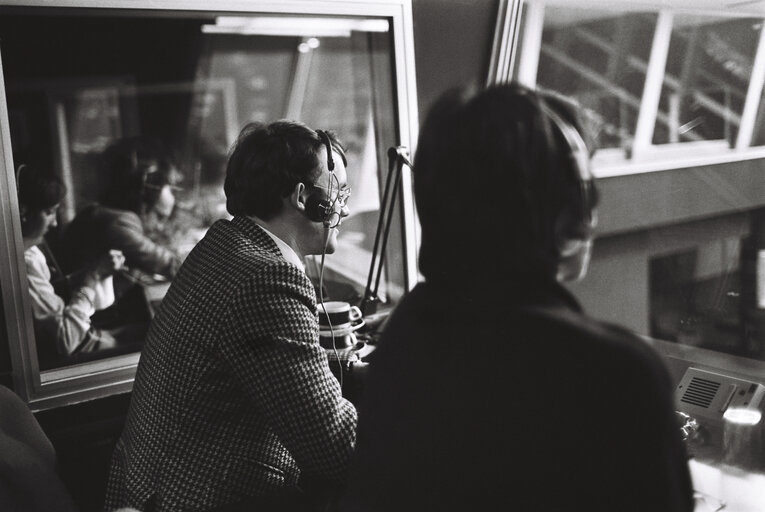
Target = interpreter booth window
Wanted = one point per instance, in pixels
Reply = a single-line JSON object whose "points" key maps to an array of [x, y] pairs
{"points": [[653, 83], [597, 56], [671, 97], [135, 112], [710, 294], [672, 108]]}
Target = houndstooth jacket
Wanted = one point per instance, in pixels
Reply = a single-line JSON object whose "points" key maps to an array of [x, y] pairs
{"points": [[233, 396]]}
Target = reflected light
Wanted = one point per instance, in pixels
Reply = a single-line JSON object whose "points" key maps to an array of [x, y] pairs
{"points": [[294, 26], [309, 44], [742, 416]]}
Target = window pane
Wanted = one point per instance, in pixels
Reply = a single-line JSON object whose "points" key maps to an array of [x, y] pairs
{"points": [[77, 84], [598, 57], [706, 79], [706, 291]]}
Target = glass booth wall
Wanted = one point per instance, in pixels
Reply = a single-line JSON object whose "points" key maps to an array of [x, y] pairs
{"points": [[672, 104], [79, 83]]}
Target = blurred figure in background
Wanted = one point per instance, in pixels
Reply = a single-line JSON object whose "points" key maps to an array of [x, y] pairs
{"points": [[61, 328], [490, 385], [136, 202]]}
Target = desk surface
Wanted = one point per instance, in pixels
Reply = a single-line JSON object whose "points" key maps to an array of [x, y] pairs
{"points": [[738, 490]]}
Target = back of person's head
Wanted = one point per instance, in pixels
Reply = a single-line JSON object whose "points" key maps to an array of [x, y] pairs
{"points": [[267, 161], [38, 189], [137, 168], [499, 188]]}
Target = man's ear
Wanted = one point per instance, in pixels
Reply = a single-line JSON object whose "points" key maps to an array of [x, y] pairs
{"points": [[297, 197]]}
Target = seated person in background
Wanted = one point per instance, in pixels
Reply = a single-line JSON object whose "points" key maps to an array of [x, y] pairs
{"points": [[490, 384], [67, 326], [139, 195]]}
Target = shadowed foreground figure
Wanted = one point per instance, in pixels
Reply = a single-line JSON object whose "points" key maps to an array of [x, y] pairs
{"points": [[29, 477], [491, 389]]}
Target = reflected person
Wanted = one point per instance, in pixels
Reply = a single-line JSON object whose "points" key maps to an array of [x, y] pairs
{"points": [[60, 324], [234, 406], [138, 195], [490, 385]]}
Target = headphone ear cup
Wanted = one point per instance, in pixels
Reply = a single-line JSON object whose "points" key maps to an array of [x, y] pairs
{"points": [[316, 208]]}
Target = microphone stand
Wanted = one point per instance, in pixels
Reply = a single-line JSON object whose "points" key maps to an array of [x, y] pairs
{"points": [[397, 158]]}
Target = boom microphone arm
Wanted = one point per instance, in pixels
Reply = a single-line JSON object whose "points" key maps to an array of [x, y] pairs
{"points": [[397, 158]]}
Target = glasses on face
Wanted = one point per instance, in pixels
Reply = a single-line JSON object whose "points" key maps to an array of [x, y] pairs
{"points": [[342, 196]]}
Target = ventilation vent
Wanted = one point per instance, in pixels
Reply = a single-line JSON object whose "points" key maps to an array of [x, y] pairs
{"points": [[700, 392]]}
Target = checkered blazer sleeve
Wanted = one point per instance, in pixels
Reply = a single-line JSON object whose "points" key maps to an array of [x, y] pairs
{"points": [[272, 346]]}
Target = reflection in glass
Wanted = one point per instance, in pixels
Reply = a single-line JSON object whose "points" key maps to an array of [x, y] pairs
{"points": [[65, 306], [598, 57], [706, 78], [711, 293], [77, 84]]}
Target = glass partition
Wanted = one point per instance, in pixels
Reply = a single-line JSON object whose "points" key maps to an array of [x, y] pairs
{"points": [[703, 288], [689, 241], [80, 82], [674, 93]]}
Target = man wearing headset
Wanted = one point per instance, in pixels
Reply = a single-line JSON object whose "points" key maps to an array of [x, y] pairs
{"points": [[490, 388], [234, 406]]}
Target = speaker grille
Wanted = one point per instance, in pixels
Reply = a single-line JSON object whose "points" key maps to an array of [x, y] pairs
{"points": [[700, 392]]}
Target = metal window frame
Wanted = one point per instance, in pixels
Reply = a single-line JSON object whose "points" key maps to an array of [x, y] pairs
{"points": [[87, 381]]}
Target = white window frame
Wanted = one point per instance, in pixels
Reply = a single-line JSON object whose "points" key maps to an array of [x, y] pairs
{"points": [[514, 61], [91, 380]]}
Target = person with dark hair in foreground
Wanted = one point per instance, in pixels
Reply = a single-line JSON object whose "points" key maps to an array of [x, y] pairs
{"points": [[491, 388], [234, 406]]}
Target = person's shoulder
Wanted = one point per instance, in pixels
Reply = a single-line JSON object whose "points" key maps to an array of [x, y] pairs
{"points": [[10, 403], [34, 256], [226, 235], [257, 256], [611, 341], [96, 214], [117, 214], [588, 326], [275, 270]]}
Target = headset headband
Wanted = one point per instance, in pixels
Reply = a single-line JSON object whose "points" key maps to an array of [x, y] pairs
{"points": [[328, 144], [580, 159]]}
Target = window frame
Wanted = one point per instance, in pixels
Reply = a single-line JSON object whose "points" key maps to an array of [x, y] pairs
{"points": [[513, 59], [633, 200], [97, 379]]}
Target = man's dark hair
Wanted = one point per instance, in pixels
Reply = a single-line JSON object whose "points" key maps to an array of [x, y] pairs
{"points": [[492, 174], [266, 163]]}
